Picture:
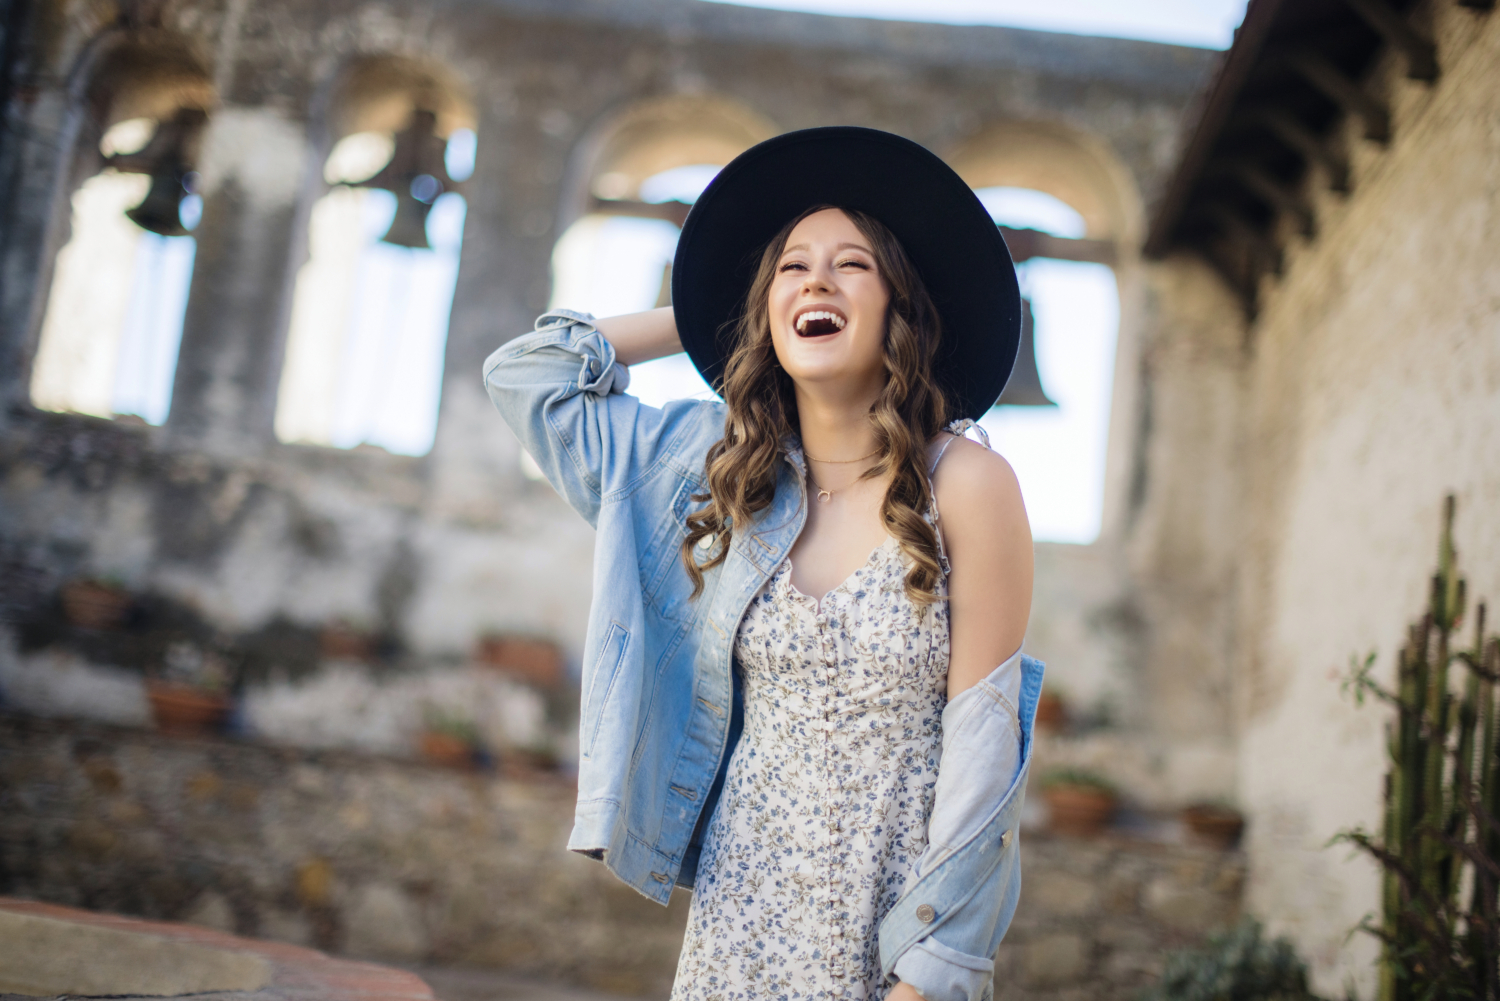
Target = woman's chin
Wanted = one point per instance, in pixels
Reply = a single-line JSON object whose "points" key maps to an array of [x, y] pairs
{"points": [[828, 373]]}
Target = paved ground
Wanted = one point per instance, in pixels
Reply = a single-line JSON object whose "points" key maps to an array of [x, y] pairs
{"points": [[474, 984]]}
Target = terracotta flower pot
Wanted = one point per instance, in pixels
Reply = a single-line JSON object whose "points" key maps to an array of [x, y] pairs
{"points": [[1213, 826], [90, 604], [1079, 811], [532, 661], [340, 642], [1051, 713], [446, 750], [183, 710]]}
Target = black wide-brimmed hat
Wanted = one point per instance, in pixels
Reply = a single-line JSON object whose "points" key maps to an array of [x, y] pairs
{"points": [[955, 246]]}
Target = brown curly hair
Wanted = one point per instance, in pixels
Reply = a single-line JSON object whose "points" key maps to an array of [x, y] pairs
{"points": [[741, 467]]}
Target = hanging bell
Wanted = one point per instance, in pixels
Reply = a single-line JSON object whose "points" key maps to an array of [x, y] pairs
{"points": [[1025, 386], [161, 211], [168, 158], [416, 175], [409, 226]]}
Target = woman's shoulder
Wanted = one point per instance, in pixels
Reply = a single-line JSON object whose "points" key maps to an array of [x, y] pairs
{"points": [[975, 485]]}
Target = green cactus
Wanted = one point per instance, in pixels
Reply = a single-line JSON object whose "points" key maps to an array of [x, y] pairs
{"points": [[1440, 834]]}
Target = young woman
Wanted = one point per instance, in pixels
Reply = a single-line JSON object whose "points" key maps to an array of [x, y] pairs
{"points": [[804, 696]]}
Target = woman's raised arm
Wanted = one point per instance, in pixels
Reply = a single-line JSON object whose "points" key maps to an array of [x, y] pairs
{"points": [[638, 337]]}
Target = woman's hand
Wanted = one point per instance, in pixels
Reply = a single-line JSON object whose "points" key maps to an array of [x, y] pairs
{"points": [[904, 992], [638, 337]]}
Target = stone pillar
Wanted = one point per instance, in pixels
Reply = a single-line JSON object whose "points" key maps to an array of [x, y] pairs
{"points": [[224, 397], [503, 283]]}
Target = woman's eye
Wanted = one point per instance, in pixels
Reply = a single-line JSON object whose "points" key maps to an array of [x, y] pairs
{"points": [[854, 263], [793, 265]]}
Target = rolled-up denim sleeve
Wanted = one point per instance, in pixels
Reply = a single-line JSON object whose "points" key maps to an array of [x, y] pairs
{"points": [[981, 759], [563, 394], [939, 973]]}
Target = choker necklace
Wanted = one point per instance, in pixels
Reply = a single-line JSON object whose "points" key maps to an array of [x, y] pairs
{"points": [[837, 462]]}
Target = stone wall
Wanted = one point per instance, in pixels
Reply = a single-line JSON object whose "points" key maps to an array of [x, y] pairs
{"points": [[1098, 918], [1374, 391], [385, 859], [366, 856], [259, 540]]}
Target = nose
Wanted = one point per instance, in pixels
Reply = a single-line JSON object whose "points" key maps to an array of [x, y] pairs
{"points": [[817, 280]]}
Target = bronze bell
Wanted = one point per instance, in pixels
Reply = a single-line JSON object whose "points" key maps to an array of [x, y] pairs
{"points": [[1025, 386], [416, 175], [169, 159]]}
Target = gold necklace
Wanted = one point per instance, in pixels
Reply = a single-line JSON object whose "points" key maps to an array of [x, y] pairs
{"points": [[839, 462], [824, 494]]}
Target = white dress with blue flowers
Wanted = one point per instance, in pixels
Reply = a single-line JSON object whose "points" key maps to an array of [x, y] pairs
{"points": [[824, 812]]}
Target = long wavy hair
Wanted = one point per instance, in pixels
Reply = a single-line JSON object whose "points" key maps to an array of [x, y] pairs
{"points": [[741, 467]]}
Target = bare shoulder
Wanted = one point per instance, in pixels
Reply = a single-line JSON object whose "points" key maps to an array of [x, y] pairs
{"points": [[977, 487]]}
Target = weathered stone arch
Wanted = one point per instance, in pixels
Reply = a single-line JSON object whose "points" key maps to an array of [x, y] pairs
{"points": [[656, 134], [1070, 165], [377, 93], [121, 74]]}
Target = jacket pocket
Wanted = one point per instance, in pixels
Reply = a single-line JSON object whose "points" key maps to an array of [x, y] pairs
{"points": [[606, 672]]}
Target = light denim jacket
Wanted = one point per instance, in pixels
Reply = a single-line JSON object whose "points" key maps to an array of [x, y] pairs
{"points": [[660, 710]]}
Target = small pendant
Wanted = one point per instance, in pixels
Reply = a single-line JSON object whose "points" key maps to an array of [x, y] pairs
{"points": [[824, 496]]}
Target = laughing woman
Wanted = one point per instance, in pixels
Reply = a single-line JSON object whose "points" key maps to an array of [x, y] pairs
{"points": [[804, 696]]}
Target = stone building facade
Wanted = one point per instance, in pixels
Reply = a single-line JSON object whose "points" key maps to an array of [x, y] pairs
{"points": [[270, 543]]}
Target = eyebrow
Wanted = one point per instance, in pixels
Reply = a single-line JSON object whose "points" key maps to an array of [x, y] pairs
{"points": [[842, 246]]}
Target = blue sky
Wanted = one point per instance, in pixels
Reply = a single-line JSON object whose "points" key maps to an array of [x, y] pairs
{"points": [[1206, 23]]}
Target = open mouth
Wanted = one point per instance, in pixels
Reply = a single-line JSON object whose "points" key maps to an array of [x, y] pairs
{"points": [[819, 323]]}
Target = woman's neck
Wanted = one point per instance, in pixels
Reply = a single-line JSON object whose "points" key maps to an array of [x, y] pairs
{"points": [[837, 429]]}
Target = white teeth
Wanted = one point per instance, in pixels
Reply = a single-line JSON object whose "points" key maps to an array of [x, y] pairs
{"points": [[805, 318]]}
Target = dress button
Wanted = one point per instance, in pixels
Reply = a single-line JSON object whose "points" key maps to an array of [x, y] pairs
{"points": [[926, 914]]}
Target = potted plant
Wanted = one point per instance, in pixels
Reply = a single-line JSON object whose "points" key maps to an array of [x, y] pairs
{"points": [[449, 740], [92, 603], [1051, 711], [1080, 803], [533, 661], [1214, 825], [191, 693], [343, 641]]}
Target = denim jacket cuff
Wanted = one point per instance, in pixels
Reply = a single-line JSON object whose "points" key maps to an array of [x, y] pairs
{"points": [[599, 374], [940, 973]]}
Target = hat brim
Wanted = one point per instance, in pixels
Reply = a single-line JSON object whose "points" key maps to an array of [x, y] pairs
{"points": [[949, 237]]}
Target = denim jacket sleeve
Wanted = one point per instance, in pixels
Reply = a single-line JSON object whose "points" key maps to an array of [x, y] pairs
{"points": [[563, 394], [970, 869]]}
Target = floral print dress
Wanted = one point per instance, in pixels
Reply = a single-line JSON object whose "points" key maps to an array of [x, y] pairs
{"points": [[823, 816]]}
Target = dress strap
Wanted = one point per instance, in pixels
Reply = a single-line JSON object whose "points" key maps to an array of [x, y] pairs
{"points": [[957, 429]]}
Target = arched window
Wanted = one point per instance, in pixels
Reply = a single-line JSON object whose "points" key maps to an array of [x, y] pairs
{"points": [[113, 321], [608, 264], [1058, 451], [641, 170], [364, 356]]}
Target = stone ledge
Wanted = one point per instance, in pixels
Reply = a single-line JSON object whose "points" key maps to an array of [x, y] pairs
{"points": [[296, 973]]}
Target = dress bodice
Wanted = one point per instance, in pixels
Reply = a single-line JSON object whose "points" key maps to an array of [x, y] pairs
{"points": [[824, 812]]}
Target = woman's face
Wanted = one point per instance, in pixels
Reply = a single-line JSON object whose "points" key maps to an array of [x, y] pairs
{"points": [[827, 304]]}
